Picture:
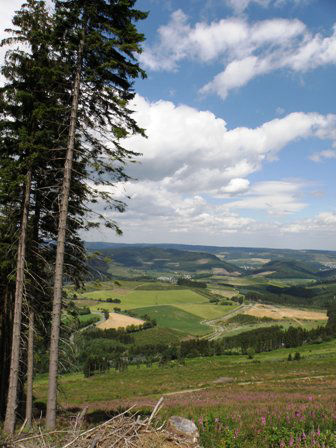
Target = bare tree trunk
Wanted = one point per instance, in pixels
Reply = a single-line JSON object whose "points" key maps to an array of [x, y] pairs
{"points": [[9, 424], [58, 275], [30, 370]]}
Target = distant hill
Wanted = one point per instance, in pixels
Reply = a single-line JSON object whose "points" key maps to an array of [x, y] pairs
{"points": [[291, 269], [161, 260], [165, 257], [230, 252]]}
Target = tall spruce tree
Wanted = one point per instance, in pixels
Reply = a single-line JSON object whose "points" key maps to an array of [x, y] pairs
{"points": [[85, 56], [99, 41], [34, 104], [20, 126]]}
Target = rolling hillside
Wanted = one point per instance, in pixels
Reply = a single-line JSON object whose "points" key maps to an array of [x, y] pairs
{"points": [[292, 269], [160, 260]]}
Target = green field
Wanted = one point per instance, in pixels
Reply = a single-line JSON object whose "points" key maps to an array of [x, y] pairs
{"points": [[137, 298], [168, 316], [207, 310], [89, 318], [177, 309]]}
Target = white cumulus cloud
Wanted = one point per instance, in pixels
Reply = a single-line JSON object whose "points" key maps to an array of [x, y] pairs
{"points": [[274, 197], [189, 150], [245, 49], [194, 172]]}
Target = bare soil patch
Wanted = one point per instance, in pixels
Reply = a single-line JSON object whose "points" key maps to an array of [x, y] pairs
{"points": [[279, 313], [203, 261], [117, 320]]}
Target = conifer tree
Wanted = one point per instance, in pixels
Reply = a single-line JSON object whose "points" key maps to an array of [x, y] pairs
{"points": [[19, 126], [99, 41], [32, 107]]}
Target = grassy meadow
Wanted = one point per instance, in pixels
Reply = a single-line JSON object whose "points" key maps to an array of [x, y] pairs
{"points": [[172, 317], [318, 361], [236, 402]]}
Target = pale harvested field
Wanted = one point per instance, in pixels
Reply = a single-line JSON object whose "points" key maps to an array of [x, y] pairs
{"points": [[117, 320], [285, 313], [228, 293], [261, 260], [203, 260], [220, 271]]}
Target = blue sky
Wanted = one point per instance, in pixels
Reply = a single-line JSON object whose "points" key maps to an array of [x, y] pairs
{"points": [[239, 107]]}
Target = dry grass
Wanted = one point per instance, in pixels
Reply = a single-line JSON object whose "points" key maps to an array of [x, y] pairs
{"points": [[117, 320], [279, 313]]}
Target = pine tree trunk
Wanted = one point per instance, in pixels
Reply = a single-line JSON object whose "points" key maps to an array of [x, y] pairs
{"points": [[7, 299], [58, 275], [30, 370], [9, 424]]}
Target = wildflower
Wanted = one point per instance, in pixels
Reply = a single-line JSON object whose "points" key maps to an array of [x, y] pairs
{"points": [[282, 444], [263, 421], [291, 441], [318, 432], [304, 436], [310, 398]]}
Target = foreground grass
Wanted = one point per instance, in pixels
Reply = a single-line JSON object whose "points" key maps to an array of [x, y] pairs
{"points": [[266, 369], [236, 402]]}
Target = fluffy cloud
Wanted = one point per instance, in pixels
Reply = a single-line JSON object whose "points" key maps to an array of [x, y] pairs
{"points": [[156, 208], [192, 151], [322, 222], [194, 173], [274, 197], [320, 156], [310, 53], [248, 50]]}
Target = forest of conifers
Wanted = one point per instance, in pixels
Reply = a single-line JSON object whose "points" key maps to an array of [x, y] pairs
{"points": [[64, 112]]}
